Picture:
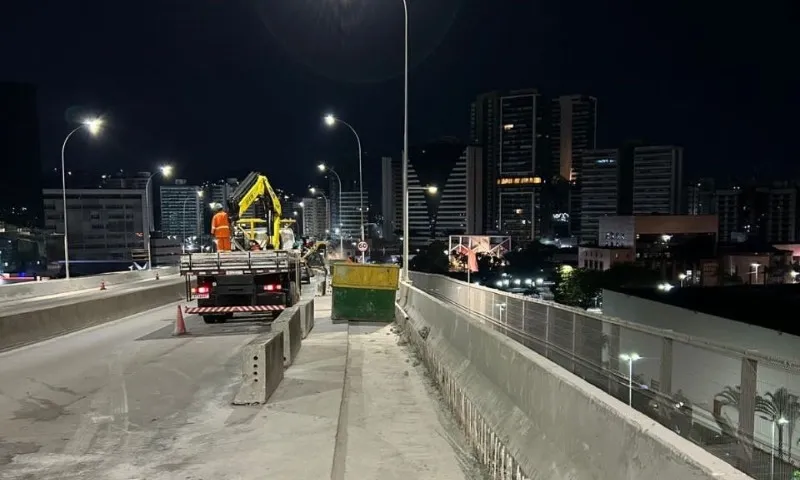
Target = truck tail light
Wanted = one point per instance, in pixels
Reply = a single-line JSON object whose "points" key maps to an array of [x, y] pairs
{"points": [[272, 287], [201, 291]]}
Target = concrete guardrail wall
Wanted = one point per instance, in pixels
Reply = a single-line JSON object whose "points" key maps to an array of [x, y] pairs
{"points": [[262, 369], [34, 326], [19, 291], [529, 418]]}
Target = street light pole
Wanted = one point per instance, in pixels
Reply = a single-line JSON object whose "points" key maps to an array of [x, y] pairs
{"points": [[630, 358], [322, 168], [183, 216], [93, 125], [165, 171], [327, 207], [406, 233], [330, 119]]}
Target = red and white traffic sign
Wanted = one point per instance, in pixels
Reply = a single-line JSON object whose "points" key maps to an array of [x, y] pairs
{"points": [[362, 246]]}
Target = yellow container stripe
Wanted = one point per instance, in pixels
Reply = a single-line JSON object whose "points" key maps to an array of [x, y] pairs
{"points": [[357, 275]]}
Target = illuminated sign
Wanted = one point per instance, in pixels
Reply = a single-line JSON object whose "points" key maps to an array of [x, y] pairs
{"points": [[604, 161], [519, 181]]}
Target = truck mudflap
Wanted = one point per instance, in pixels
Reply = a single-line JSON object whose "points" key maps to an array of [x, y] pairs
{"points": [[244, 308]]}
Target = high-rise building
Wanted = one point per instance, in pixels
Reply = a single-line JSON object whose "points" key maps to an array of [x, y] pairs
{"points": [[316, 217], [351, 213], [728, 207], [392, 197], [657, 180], [513, 129], [700, 197], [600, 181], [457, 206], [181, 210], [103, 224], [765, 214], [780, 216], [20, 190], [574, 128]]}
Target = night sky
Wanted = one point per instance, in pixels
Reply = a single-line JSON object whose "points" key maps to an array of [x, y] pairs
{"points": [[219, 88]]}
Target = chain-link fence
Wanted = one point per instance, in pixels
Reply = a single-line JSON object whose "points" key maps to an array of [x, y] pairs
{"points": [[739, 405]]}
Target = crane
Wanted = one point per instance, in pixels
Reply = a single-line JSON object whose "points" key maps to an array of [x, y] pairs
{"points": [[253, 189]]}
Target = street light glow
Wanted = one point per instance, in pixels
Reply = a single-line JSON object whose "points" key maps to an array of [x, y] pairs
{"points": [[629, 357], [93, 125], [432, 189], [166, 170], [312, 190], [322, 167], [200, 194], [330, 120], [301, 204]]}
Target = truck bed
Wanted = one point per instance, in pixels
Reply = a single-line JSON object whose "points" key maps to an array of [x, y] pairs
{"points": [[233, 263]]}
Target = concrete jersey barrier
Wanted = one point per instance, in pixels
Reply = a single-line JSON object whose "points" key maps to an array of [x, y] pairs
{"points": [[288, 322], [529, 418], [23, 328], [262, 369], [53, 287]]}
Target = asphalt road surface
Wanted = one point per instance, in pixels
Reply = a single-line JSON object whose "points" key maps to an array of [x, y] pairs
{"points": [[118, 401]]}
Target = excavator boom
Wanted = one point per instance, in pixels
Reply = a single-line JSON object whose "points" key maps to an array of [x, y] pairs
{"points": [[253, 189]]}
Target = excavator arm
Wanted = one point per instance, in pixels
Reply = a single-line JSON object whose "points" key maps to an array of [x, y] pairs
{"points": [[256, 188]]}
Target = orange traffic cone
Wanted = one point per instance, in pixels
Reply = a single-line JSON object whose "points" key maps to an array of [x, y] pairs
{"points": [[180, 325], [102, 284]]}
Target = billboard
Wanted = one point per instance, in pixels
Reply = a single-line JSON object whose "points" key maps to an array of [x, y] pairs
{"points": [[465, 250]]}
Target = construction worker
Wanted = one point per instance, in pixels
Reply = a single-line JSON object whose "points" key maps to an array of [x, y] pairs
{"points": [[221, 228]]}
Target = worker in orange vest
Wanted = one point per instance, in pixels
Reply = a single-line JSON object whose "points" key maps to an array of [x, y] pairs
{"points": [[221, 229]]}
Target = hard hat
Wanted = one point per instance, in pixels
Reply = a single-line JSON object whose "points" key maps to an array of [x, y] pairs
{"points": [[216, 207]]}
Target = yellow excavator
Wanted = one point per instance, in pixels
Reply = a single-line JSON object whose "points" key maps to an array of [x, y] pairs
{"points": [[255, 189]]}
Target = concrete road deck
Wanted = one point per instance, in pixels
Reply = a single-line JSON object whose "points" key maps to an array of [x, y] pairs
{"points": [[127, 401]]}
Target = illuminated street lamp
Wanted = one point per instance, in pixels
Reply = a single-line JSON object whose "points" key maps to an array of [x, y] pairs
{"points": [[316, 191], [330, 121], [93, 125], [780, 422], [323, 168], [630, 358], [166, 172], [199, 194]]}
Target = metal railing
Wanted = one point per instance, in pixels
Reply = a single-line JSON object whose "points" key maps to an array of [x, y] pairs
{"points": [[696, 387]]}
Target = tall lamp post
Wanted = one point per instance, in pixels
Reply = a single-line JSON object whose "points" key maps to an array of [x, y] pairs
{"points": [[316, 191], [323, 168], [93, 125], [630, 358], [405, 143], [183, 217], [166, 171], [331, 120]]}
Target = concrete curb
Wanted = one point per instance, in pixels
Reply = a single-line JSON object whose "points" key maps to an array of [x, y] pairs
{"points": [[54, 287], [25, 328], [288, 322], [529, 418], [262, 369]]}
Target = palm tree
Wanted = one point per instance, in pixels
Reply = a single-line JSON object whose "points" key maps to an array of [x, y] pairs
{"points": [[728, 397], [777, 405]]}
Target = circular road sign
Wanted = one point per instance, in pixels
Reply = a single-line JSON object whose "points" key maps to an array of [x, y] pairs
{"points": [[362, 246]]}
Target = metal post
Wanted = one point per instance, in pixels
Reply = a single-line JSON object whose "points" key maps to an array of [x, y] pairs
{"points": [[149, 220], [630, 382], [406, 233], [64, 198]]}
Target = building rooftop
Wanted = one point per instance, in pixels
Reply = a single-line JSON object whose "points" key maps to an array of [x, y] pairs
{"points": [[769, 306]]}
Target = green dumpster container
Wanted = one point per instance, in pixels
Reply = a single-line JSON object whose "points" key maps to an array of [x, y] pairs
{"points": [[364, 292]]}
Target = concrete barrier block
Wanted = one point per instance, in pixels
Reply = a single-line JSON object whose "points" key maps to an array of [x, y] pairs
{"points": [[306, 308], [262, 369], [33, 326], [527, 416], [288, 322], [54, 287]]}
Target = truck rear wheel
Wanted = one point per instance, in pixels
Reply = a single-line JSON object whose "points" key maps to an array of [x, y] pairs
{"points": [[214, 318]]}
